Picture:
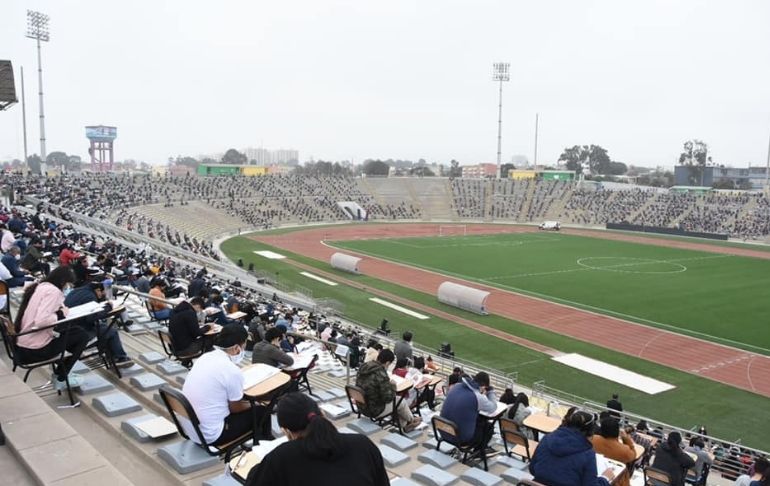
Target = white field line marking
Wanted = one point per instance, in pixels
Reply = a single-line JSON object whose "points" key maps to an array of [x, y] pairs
{"points": [[577, 305], [509, 243], [609, 267], [403, 310], [748, 373], [320, 279]]}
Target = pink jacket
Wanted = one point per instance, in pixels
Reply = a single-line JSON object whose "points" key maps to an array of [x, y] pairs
{"points": [[41, 312]]}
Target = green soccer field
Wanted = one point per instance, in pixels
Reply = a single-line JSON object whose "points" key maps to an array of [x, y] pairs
{"points": [[712, 296], [730, 413]]}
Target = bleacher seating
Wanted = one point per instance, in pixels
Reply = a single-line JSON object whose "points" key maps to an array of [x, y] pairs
{"points": [[118, 404]]}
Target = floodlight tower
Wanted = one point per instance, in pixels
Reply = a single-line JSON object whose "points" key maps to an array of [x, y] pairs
{"points": [[500, 72], [37, 28]]}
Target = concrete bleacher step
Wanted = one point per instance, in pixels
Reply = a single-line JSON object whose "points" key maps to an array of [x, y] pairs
{"points": [[433, 476], [392, 457], [169, 367], [115, 404], [185, 457], [152, 357], [364, 426], [514, 475], [479, 477], [508, 462], [403, 482], [445, 446], [129, 426], [221, 480], [94, 383], [334, 412], [132, 370], [147, 381], [437, 458], [398, 442]]}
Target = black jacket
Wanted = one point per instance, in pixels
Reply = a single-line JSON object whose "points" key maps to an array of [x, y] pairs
{"points": [[183, 326], [357, 462], [674, 461]]}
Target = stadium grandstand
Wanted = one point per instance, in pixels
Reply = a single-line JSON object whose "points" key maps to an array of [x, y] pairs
{"points": [[150, 243]]}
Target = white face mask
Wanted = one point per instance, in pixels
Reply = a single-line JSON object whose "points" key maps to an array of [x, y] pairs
{"points": [[237, 358], [18, 257]]}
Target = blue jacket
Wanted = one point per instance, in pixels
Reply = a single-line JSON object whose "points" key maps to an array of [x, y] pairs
{"points": [[566, 458], [462, 406]]}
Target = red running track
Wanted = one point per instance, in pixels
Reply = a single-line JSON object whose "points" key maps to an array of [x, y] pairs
{"points": [[724, 364]]}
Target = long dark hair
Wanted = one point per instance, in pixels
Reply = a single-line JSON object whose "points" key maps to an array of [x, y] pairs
{"points": [[59, 277], [299, 413], [521, 399]]}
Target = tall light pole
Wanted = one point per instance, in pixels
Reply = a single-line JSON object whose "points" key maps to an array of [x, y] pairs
{"points": [[537, 117], [500, 72], [24, 115], [37, 28]]}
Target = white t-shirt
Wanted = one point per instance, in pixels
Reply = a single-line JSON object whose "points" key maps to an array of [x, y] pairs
{"points": [[5, 274], [213, 382]]}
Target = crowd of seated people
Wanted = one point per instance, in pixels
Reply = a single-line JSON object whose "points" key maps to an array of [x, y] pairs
{"points": [[596, 207]]}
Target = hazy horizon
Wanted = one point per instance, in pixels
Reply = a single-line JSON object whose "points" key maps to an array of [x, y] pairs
{"points": [[342, 80]]}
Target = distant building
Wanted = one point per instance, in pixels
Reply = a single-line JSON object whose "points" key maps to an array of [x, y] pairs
{"points": [[479, 171], [740, 178], [266, 157]]}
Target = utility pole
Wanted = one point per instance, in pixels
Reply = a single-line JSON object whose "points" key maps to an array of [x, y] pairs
{"points": [[24, 115], [537, 115]]}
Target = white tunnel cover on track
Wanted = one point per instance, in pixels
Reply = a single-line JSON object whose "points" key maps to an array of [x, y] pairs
{"points": [[466, 298], [348, 263]]}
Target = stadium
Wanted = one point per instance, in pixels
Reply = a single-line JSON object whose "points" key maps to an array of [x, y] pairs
{"points": [[272, 244], [571, 317]]}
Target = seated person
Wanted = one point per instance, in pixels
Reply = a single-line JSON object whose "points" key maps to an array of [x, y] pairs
{"points": [[187, 336], [519, 411], [454, 378], [316, 452], [565, 457], [269, 352], [697, 446], [11, 262], [214, 388], [159, 309], [373, 349], [41, 306], [462, 406], [761, 469], [670, 458], [34, 261], [613, 443], [430, 365], [379, 391], [95, 325]]}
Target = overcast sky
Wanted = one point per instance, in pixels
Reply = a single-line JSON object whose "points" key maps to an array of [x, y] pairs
{"points": [[342, 79]]}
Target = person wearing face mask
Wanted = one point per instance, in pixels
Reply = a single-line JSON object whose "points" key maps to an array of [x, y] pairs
{"points": [[41, 306], [326, 457], [214, 388], [11, 261]]}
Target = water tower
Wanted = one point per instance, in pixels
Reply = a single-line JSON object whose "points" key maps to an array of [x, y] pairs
{"points": [[101, 139]]}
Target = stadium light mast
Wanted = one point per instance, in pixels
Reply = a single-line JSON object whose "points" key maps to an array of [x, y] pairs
{"points": [[767, 168], [37, 28], [500, 73]]}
